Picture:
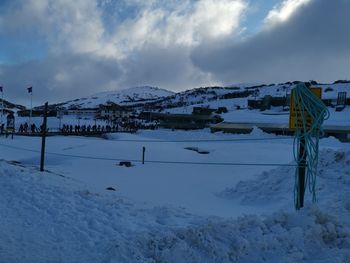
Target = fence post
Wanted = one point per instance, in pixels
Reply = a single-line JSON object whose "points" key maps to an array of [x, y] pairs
{"points": [[43, 138], [301, 173], [143, 154]]}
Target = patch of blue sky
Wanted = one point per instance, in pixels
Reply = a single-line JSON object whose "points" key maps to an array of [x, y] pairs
{"points": [[16, 50], [258, 10], [4, 2]]}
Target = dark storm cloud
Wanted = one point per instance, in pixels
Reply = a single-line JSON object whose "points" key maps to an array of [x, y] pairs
{"points": [[161, 66], [314, 43], [59, 77]]}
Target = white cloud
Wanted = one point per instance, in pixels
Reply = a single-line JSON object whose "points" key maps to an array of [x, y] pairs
{"points": [[283, 11], [169, 30], [170, 34], [188, 23], [217, 18], [77, 26]]}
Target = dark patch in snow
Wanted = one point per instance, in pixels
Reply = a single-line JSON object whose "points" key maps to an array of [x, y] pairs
{"points": [[198, 150], [125, 163]]}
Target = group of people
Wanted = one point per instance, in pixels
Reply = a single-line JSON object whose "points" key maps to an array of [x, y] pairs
{"points": [[66, 128], [5, 132], [83, 129], [25, 128], [118, 126], [2, 128]]}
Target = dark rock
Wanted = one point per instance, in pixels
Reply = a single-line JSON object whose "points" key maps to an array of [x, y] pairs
{"points": [[125, 163]]}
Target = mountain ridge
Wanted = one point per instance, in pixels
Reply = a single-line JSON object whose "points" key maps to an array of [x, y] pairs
{"points": [[154, 98]]}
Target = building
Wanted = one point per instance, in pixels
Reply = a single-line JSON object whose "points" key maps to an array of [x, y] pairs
{"points": [[203, 110], [181, 121], [109, 111], [80, 113], [114, 111], [267, 101], [36, 113]]}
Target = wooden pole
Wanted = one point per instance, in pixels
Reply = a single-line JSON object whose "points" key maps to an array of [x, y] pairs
{"points": [[302, 169], [2, 105], [31, 110], [43, 138], [143, 154]]}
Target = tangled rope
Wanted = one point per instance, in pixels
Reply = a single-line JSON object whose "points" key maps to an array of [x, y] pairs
{"points": [[310, 112]]}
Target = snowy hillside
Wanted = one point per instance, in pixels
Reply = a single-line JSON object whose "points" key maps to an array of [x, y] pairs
{"points": [[9, 106], [329, 91], [236, 97], [123, 97], [156, 99], [195, 97]]}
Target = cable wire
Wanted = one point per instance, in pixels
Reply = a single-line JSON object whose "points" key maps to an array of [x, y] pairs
{"points": [[150, 161], [207, 140], [282, 137]]}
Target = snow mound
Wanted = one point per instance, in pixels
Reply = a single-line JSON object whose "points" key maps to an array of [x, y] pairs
{"points": [[272, 186], [48, 218], [308, 236], [256, 131], [268, 187], [317, 233]]}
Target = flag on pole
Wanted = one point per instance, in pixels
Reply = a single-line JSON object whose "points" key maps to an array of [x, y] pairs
{"points": [[30, 89], [1, 89]]}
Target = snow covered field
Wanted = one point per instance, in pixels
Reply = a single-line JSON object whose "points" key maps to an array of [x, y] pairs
{"points": [[169, 212], [187, 185]]}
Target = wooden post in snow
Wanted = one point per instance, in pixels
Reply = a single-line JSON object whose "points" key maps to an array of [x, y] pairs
{"points": [[143, 154], [301, 173], [43, 138]]}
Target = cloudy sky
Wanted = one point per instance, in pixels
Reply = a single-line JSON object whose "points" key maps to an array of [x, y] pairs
{"points": [[67, 49]]}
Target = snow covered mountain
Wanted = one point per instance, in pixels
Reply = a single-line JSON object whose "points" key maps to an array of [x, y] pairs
{"points": [[10, 107], [196, 96], [148, 98], [235, 96], [122, 97]]}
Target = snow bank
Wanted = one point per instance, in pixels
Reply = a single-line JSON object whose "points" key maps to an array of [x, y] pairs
{"points": [[317, 233], [276, 186], [308, 236], [48, 218]]}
